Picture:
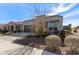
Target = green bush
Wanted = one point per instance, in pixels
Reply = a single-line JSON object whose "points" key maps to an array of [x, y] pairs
{"points": [[62, 34], [72, 42], [41, 31], [3, 31], [53, 42], [16, 31]]}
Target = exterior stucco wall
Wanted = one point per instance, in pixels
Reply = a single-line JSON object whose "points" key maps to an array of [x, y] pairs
{"points": [[39, 21], [58, 19], [8, 26], [43, 20], [2, 26]]}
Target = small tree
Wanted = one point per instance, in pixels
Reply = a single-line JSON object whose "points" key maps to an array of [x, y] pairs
{"points": [[41, 31], [38, 11]]}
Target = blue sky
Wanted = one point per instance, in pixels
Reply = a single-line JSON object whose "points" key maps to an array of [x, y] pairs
{"points": [[24, 11]]}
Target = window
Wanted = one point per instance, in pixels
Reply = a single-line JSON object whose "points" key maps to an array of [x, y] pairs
{"points": [[52, 25]]}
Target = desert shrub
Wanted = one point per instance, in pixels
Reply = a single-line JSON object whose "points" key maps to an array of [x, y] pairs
{"points": [[53, 42], [75, 51], [67, 33], [62, 36], [32, 36], [65, 50], [41, 31], [75, 31], [3, 31], [9, 32], [16, 31], [72, 42]]}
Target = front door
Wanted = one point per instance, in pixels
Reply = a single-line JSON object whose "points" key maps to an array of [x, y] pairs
{"points": [[18, 28], [12, 27]]}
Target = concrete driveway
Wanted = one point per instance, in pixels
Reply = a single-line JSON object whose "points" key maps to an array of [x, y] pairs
{"points": [[6, 43], [9, 48]]}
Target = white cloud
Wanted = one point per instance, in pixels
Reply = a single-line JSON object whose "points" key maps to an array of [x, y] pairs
{"points": [[72, 14], [61, 9], [64, 9], [61, 5], [52, 13]]}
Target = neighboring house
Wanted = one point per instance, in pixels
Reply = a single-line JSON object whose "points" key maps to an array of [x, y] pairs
{"points": [[67, 27], [77, 27], [2, 26], [14, 26], [47, 22]]}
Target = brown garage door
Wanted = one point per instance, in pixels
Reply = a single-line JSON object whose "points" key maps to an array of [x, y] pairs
{"points": [[27, 28]]}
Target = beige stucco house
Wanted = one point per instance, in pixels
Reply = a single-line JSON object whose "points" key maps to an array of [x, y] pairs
{"points": [[14, 26], [2, 26], [47, 22]]}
